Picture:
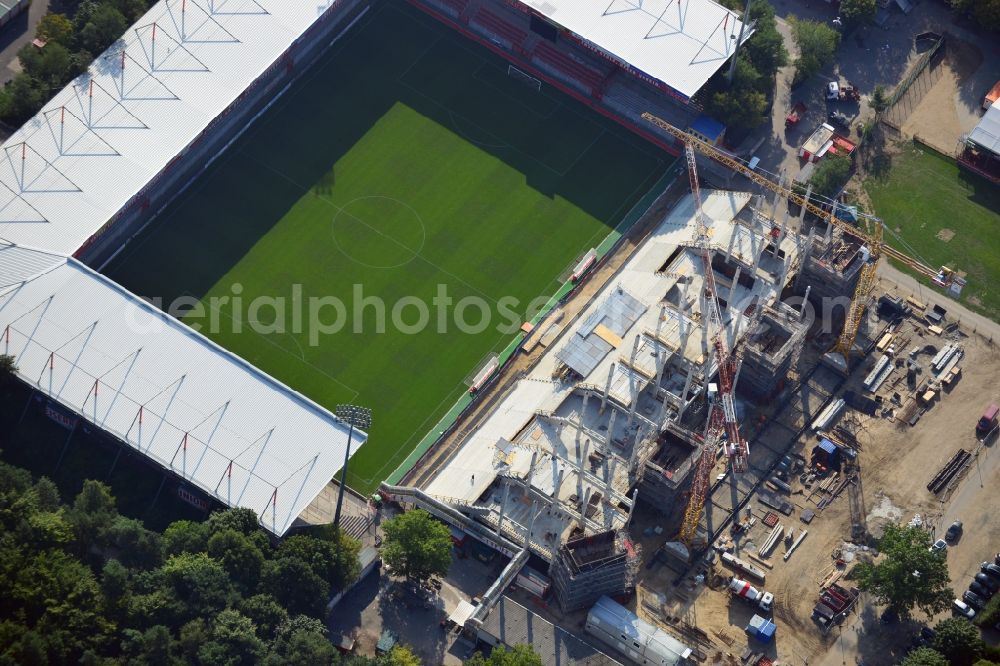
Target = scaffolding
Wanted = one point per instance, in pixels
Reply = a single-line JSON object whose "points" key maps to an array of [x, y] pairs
{"points": [[587, 568]]}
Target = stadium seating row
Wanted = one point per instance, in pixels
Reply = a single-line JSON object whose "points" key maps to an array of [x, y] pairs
{"points": [[568, 66], [499, 27]]}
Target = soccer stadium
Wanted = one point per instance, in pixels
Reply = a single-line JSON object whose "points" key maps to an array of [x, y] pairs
{"points": [[229, 151]]}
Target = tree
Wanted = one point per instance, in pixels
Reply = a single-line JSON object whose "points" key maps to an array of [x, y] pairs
{"points": [[958, 640], [301, 640], [197, 585], [265, 612], [335, 561], [402, 655], [238, 556], [92, 514], [766, 47], [184, 536], [56, 28], [19, 101], [8, 368], [233, 641], [985, 12], [293, 583], [831, 175], [519, 655], [417, 546], [857, 11], [909, 575], [114, 586], [924, 656], [136, 546], [153, 647], [879, 101], [241, 519], [817, 44], [103, 26]]}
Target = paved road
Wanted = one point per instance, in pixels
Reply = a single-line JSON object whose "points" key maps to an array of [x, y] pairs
{"points": [[924, 291]]}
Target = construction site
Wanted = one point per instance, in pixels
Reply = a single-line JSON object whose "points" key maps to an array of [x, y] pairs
{"points": [[688, 422]]}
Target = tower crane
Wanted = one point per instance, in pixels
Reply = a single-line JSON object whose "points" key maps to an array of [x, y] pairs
{"points": [[722, 408], [722, 413], [871, 236]]}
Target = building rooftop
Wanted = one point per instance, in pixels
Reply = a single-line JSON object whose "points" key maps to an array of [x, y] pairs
{"points": [[679, 44], [513, 624], [177, 398], [987, 132], [106, 135]]}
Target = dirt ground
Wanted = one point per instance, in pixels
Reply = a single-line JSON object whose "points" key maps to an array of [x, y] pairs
{"points": [[896, 461], [949, 106]]}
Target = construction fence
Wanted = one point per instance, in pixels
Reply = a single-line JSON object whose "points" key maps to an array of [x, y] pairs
{"points": [[911, 90]]}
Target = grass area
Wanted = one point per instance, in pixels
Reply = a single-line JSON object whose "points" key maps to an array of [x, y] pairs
{"points": [[946, 216], [406, 162]]}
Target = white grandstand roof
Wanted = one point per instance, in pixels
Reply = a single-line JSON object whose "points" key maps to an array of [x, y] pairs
{"points": [[987, 132], [679, 42], [176, 397], [101, 139]]}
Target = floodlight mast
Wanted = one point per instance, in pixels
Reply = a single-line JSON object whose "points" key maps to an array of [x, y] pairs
{"points": [[355, 417]]}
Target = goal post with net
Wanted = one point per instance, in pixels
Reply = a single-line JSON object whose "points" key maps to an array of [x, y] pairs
{"points": [[524, 77]]}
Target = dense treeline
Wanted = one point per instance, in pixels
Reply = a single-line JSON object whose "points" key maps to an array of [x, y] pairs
{"points": [[985, 12], [73, 39], [743, 104], [80, 583]]}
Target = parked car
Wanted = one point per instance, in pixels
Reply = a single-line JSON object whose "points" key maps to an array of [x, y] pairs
{"points": [[980, 590], [839, 118], [974, 600], [962, 609], [938, 546], [988, 582], [996, 559], [954, 531], [990, 569]]}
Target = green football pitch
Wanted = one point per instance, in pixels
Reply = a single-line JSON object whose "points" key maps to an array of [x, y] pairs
{"points": [[406, 162]]}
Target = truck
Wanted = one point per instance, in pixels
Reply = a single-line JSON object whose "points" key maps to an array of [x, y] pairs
{"points": [[835, 92], [744, 590]]}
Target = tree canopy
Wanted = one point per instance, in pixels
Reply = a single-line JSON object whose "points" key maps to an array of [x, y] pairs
{"points": [[908, 575], [985, 12], [742, 104], [857, 11], [519, 655], [817, 44], [417, 546], [831, 175], [924, 656], [73, 39], [83, 584], [958, 640]]}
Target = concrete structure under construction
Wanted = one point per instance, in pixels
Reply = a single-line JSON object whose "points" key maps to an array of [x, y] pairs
{"points": [[586, 568], [614, 409], [831, 266], [772, 348]]}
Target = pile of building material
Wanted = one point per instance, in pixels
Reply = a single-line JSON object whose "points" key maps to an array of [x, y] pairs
{"points": [[834, 603], [951, 470]]}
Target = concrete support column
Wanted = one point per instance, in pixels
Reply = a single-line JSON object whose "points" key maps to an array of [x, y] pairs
{"points": [[684, 394], [503, 508], [607, 387], [611, 426], [732, 288], [631, 509], [661, 363]]}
